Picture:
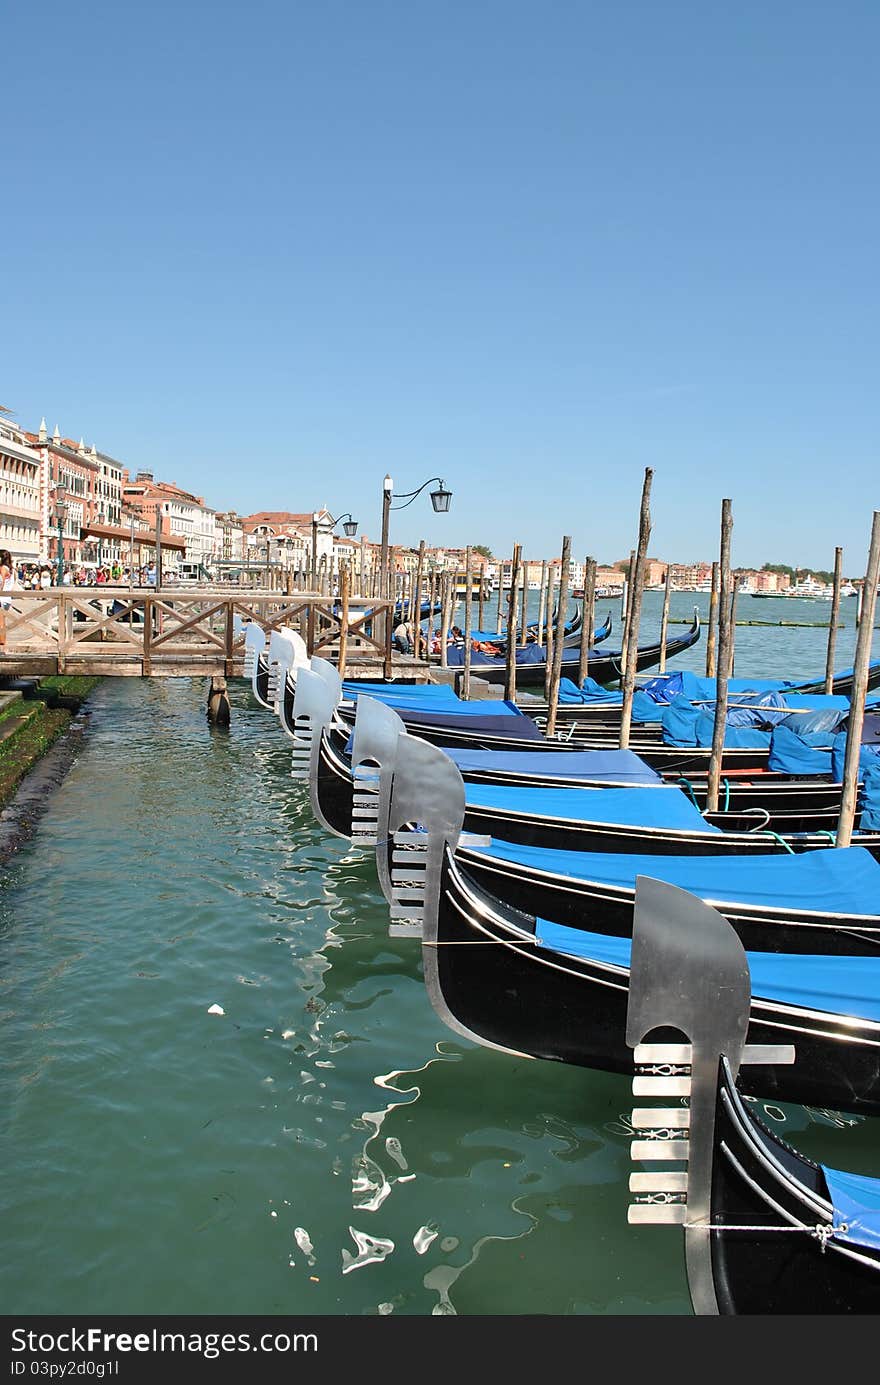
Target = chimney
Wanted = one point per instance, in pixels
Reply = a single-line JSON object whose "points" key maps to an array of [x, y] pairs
{"points": [[43, 433]]}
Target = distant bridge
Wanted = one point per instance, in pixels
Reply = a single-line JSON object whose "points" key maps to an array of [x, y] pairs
{"points": [[173, 633]]}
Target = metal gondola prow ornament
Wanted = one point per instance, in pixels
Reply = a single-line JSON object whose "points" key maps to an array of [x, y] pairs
{"points": [[313, 710], [426, 811], [377, 729], [689, 973]]}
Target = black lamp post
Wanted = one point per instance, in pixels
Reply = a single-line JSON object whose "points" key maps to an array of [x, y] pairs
{"points": [[60, 516], [440, 498]]}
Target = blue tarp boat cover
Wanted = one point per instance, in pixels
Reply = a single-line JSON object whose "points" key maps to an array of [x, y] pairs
{"points": [[791, 753], [869, 756], [856, 1202], [434, 698], [687, 724], [433, 692], [525, 654], [609, 766], [589, 692], [836, 880], [835, 985], [660, 806], [473, 717]]}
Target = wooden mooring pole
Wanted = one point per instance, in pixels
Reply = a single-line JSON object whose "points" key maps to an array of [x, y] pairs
{"points": [[541, 600], [722, 662], [415, 609], [711, 632], [510, 674], [445, 584], [833, 620], [635, 611], [559, 643], [588, 619], [664, 619], [468, 624], [856, 719]]}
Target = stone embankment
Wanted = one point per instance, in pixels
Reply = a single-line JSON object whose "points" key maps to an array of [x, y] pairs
{"points": [[34, 751]]}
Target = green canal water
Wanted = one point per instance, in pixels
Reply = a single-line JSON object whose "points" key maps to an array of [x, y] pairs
{"points": [[324, 1145]]}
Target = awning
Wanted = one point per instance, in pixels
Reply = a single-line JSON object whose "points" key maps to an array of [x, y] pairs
{"points": [[142, 537]]}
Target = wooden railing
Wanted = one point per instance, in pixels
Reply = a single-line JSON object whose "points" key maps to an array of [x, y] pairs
{"points": [[182, 632]]}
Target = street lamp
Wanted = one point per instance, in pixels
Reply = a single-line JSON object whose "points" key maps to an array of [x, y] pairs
{"points": [[440, 499], [350, 525], [60, 515]]}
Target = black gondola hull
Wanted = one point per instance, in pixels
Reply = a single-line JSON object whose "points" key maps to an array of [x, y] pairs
{"points": [[508, 993]]}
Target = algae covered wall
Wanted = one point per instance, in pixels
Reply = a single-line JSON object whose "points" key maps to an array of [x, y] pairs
{"points": [[32, 718]]}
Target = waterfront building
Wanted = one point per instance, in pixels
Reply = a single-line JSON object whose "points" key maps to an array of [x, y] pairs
{"points": [[67, 464], [229, 538], [19, 493], [183, 515]]}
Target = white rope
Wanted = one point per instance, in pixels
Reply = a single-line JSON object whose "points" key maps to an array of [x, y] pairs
{"points": [[482, 942], [822, 1232]]}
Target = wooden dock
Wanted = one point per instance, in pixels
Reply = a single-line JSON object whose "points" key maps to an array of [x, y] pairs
{"points": [[186, 634]]}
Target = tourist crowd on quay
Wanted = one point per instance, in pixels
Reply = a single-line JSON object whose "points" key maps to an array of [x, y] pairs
{"points": [[37, 576]]}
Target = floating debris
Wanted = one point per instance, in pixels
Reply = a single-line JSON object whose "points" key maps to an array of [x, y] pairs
{"points": [[216, 1010]]}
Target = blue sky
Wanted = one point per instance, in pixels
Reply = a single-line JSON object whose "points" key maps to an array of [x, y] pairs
{"points": [[273, 251]]}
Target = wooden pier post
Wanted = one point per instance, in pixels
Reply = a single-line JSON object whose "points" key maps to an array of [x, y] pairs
{"points": [[711, 632], [510, 675], [722, 663], [588, 619], [833, 620], [559, 643], [482, 592], [664, 619], [468, 624], [856, 719], [500, 598], [525, 600], [635, 612], [219, 711]]}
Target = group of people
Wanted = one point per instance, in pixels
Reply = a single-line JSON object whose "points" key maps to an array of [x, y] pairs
{"points": [[36, 576]]}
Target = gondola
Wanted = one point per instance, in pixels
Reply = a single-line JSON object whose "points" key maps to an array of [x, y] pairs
{"points": [[789, 803], [586, 819], [766, 1230], [776, 805], [531, 663], [605, 704], [826, 900], [510, 980], [664, 824]]}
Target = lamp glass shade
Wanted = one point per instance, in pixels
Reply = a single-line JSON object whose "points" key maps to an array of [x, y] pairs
{"points": [[350, 527], [440, 499]]}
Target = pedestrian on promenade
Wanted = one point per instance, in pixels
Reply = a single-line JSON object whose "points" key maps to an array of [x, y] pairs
{"points": [[7, 583]]}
